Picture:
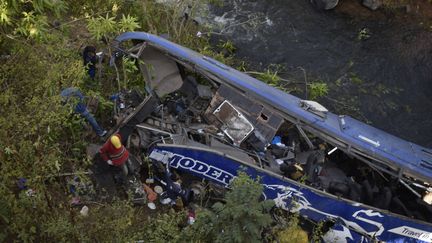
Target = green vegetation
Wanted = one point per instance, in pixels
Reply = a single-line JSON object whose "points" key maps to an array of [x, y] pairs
{"points": [[40, 54], [29, 18], [317, 232], [363, 34], [288, 228], [314, 90], [228, 46], [355, 79], [241, 218], [270, 77], [317, 89]]}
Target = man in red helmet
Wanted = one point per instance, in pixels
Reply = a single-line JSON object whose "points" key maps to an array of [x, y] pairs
{"points": [[114, 153]]}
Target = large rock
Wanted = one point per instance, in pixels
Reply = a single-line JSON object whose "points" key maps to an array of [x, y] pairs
{"points": [[325, 4], [372, 4]]}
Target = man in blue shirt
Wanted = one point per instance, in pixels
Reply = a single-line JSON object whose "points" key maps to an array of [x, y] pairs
{"points": [[77, 98]]}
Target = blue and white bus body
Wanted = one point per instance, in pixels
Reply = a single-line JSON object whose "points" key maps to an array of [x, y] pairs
{"points": [[378, 149], [357, 220]]}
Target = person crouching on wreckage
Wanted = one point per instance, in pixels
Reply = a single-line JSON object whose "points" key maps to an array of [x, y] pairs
{"points": [[114, 153], [175, 194]]}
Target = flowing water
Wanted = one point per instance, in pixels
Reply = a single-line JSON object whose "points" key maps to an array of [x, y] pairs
{"points": [[377, 70]]}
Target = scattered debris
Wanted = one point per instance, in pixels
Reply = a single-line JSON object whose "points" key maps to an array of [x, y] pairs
{"points": [[30, 192], [191, 216], [151, 196], [22, 183], [75, 201], [158, 190], [84, 211], [151, 205]]}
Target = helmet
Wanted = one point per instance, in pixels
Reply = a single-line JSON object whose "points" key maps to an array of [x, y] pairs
{"points": [[115, 141]]}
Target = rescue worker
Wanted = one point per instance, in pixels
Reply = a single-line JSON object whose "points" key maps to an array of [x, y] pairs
{"points": [[90, 59], [76, 99], [174, 191], [114, 153]]}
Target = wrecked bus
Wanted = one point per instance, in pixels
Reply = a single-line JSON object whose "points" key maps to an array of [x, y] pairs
{"points": [[208, 120]]}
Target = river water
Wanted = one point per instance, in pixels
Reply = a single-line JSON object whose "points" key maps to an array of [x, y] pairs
{"points": [[381, 75]]}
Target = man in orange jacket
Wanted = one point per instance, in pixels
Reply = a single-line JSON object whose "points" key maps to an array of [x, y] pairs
{"points": [[114, 153]]}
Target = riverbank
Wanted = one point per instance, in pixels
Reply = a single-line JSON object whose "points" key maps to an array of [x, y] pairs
{"points": [[375, 63], [419, 11]]}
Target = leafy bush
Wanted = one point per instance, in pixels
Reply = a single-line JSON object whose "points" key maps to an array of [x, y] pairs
{"points": [[29, 18], [108, 27], [317, 89], [241, 218], [288, 229]]}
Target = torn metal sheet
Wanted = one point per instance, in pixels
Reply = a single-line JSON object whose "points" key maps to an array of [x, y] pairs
{"points": [[264, 120], [161, 72], [235, 125]]}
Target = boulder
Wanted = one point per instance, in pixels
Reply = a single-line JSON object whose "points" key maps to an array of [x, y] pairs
{"points": [[325, 4], [372, 4]]}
